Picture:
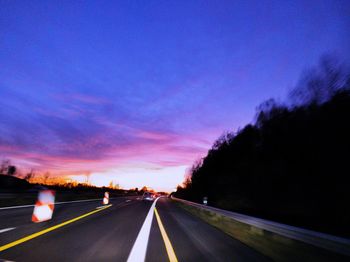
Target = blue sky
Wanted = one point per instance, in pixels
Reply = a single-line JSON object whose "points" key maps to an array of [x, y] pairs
{"points": [[136, 91]]}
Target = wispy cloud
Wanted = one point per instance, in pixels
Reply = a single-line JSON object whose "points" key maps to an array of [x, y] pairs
{"points": [[101, 91], [73, 139]]}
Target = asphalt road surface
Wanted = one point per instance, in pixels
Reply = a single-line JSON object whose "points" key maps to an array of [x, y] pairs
{"points": [[127, 230]]}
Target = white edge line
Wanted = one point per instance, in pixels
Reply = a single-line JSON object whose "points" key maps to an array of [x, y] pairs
{"points": [[57, 203], [12, 207], [6, 229], [139, 249]]}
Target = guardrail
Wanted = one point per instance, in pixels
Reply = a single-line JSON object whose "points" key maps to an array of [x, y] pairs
{"points": [[328, 242]]}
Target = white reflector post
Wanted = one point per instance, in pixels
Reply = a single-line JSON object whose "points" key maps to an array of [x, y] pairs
{"points": [[106, 198]]}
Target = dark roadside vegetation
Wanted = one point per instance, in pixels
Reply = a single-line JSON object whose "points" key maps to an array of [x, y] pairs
{"points": [[292, 164], [17, 191]]}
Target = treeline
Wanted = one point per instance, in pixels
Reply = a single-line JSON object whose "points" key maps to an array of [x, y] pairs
{"points": [[292, 164], [15, 184], [11, 179]]}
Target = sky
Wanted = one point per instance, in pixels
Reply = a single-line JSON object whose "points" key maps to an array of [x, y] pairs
{"points": [[135, 92]]}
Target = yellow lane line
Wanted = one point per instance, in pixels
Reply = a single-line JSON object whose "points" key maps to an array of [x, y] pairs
{"points": [[168, 246], [37, 234]]}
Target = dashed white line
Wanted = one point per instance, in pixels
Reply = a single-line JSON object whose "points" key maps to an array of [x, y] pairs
{"points": [[138, 251], [6, 229], [103, 206]]}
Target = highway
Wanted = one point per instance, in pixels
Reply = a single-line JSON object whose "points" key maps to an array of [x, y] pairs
{"points": [[127, 230]]}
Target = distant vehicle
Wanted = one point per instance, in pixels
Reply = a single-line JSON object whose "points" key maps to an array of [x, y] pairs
{"points": [[148, 196]]}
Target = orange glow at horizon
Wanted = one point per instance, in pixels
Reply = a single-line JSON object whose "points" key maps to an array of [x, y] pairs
{"points": [[157, 160], [160, 179]]}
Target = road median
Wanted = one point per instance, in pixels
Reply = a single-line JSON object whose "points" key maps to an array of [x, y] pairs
{"points": [[276, 241]]}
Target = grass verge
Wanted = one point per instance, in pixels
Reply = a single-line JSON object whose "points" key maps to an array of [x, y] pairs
{"points": [[272, 245]]}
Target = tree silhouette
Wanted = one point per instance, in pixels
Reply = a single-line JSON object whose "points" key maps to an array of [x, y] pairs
{"points": [[11, 170], [46, 177], [291, 165], [29, 176], [7, 168], [319, 84], [4, 166]]}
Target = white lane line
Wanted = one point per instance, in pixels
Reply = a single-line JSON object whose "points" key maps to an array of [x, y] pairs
{"points": [[138, 251], [103, 206], [128, 200], [6, 229]]}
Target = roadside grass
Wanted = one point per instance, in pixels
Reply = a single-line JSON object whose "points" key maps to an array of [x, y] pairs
{"points": [[17, 199]]}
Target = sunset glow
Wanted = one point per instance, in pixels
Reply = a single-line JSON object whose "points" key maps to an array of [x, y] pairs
{"points": [[136, 95], [161, 179]]}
